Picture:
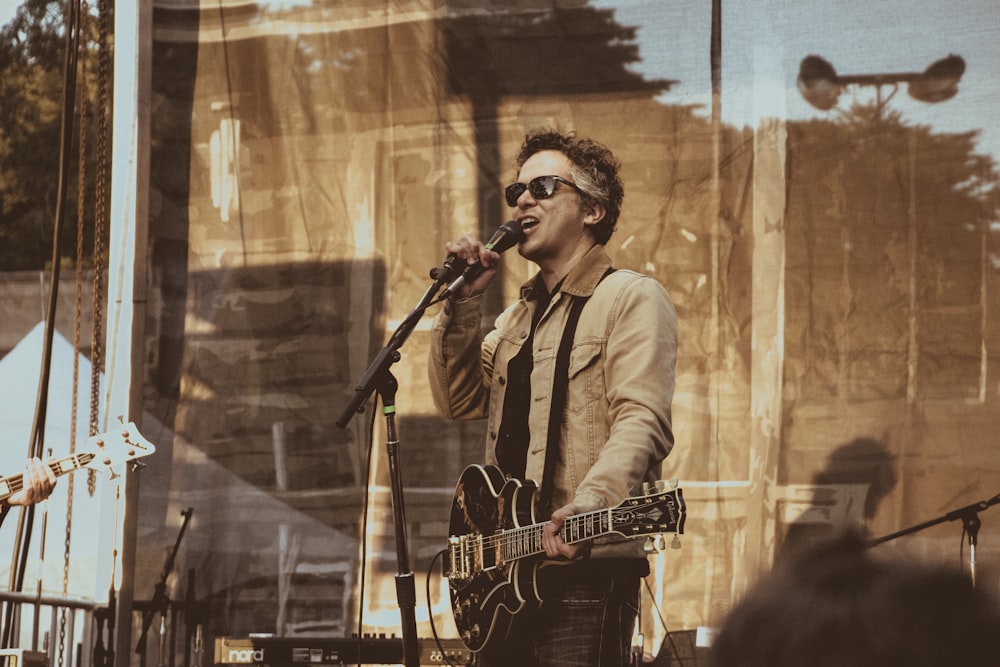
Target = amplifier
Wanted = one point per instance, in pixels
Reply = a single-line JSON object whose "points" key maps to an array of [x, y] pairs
{"points": [[18, 657], [267, 651]]}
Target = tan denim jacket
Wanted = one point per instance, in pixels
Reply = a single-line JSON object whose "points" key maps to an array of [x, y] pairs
{"points": [[621, 380]]}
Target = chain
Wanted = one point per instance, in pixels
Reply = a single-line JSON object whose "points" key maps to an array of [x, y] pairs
{"points": [[81, 207], [104, 8]]}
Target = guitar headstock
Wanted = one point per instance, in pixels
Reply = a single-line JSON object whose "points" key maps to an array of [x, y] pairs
{"points": [[117, 446], [661, 510]]}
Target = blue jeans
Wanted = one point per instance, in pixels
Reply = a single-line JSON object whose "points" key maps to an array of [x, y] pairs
{"points": [[585, 621]]}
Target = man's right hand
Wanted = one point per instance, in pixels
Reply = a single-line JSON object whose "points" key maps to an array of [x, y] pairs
{"points": [[470, 251]]}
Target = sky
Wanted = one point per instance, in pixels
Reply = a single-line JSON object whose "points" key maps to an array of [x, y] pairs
{"points": [[764, 41], [7, 9]]}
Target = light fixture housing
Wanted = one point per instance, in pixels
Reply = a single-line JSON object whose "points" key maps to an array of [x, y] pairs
{"points": [[821, 86], [818, 83], [939, 82]]}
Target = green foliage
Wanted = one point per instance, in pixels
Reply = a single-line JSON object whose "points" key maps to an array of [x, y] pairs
{"points": [[32, 51]]}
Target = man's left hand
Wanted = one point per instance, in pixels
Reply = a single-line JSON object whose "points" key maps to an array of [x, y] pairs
{"points": [[39, 481], [552, 541]]}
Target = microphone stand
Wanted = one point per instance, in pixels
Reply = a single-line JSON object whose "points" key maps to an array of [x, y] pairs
{"points": [[969, 515], [379, 378], [160, 602]]}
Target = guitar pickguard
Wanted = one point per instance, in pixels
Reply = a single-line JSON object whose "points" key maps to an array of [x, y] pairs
{"points": [[485, 601]]}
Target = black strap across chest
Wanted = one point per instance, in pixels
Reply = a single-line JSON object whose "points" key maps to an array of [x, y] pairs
{"points": [[557, 409]]}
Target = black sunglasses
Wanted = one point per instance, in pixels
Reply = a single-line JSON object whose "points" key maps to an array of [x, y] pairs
{"points": [[540, 187]]}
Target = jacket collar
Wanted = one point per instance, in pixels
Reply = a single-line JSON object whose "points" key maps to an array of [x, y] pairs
{"points": [[581, 280]]}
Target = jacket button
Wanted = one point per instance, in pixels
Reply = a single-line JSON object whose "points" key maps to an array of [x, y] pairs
{"points": [[502, 380], [493, 435]]}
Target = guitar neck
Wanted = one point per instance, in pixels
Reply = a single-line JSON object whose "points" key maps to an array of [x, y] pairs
{"points": [[515, 543], [11, 485]]}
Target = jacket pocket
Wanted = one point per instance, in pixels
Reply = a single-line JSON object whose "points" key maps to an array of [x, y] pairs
{"points": [[586, 376]]}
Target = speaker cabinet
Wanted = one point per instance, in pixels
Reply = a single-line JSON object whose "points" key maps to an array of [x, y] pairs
{"points": [[19, 657]]}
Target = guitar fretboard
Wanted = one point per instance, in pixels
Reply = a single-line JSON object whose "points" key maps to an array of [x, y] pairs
{"points": [[527, 541], [514, 543], [11, 485]]}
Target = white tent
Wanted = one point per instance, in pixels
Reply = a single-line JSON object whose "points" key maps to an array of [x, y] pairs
{"points": [[19, 378], [207, 488]]}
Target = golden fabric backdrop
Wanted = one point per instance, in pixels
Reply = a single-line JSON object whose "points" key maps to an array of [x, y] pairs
{"points": [[835, 274]]}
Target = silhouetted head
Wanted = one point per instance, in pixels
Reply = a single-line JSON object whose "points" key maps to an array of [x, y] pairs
{"points": [[837, 605]]}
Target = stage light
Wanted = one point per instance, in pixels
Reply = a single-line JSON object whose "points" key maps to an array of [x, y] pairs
{"points": [[939, 82], [818, 83], [821, 86]]}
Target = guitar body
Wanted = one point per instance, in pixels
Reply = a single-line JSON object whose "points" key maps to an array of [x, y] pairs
{"points": [[495, 545], [484, 605]]}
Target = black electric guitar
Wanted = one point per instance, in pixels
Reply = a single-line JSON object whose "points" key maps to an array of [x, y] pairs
{"points": [[493, 530], [100, 452]]}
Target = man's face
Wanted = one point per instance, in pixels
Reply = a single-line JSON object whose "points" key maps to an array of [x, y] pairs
{"points": [[555, 228]]}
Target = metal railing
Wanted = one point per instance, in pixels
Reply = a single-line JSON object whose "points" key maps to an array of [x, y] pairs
{"points": [[58, 638]]}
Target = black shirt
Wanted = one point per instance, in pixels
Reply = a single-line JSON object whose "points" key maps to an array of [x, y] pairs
{"points": [[512, 442]]}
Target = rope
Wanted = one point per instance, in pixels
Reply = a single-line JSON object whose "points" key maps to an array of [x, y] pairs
{"points": [[100, 216], [83, 102]]}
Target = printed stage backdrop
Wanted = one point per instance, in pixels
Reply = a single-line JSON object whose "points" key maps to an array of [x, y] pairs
{"points": [[833, 259]]}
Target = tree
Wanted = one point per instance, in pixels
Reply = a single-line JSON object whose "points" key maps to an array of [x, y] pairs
{"points": [[32, 51]]}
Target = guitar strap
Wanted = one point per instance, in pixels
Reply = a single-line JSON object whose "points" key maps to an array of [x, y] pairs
{"points": [[557, 411]]}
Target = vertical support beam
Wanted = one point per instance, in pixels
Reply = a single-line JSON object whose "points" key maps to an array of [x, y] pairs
{"points": [[913, 252], [720, 545], [767, 346], [127, 283]]}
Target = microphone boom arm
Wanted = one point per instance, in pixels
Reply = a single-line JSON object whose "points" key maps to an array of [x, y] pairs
{"points": [[386, 357], [506, 236]]}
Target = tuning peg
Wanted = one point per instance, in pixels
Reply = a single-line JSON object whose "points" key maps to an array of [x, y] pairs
{"points": [[676, 542], [137, 465], [121, 419], [647, 488], [649, 546], [660, 542]]}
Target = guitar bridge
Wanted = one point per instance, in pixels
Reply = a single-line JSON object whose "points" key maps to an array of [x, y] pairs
{"points": [[460, 564]]}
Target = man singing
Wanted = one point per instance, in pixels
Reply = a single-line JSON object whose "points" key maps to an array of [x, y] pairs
{"points": [[576, 382]]}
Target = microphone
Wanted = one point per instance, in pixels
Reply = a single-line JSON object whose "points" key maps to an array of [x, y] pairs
{"points": [[446, 270], [504, 238]]}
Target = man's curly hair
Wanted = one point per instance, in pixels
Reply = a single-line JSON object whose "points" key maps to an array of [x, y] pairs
{"points": [[595, 172]]}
